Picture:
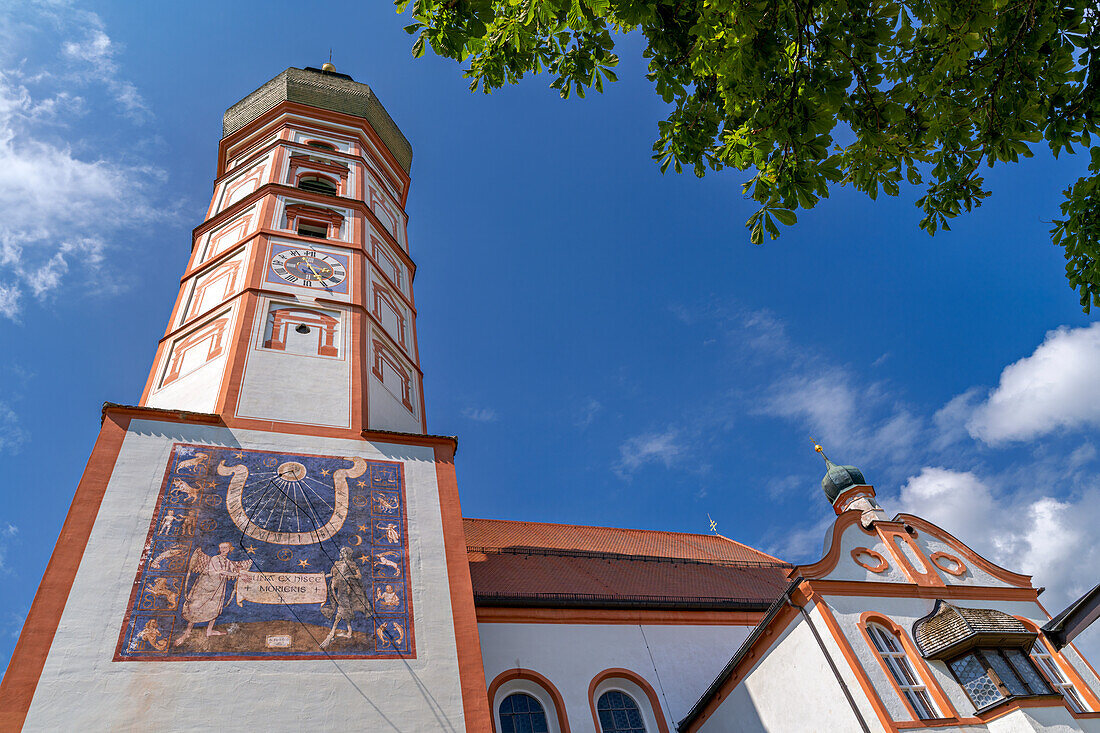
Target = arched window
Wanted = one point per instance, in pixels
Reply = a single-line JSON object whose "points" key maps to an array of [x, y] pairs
{"points": [[1044, 660], [320, 145], [521, 713], [618, 713], [317, 184], [908, 682]]}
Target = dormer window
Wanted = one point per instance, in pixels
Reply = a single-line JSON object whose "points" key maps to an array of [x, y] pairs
{"points": [[317, 184], [990, 676], [985, 649]]}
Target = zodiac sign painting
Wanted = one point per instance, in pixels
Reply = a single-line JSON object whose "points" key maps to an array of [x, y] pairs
{"points": [[263, 555]]}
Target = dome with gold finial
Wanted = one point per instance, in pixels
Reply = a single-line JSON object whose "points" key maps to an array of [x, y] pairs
{"points": [[838, 479]]}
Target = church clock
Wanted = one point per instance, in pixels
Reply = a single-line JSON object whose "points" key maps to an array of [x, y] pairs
{"points": [[308, 268]]}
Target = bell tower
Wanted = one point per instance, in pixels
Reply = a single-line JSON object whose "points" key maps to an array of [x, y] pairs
{"points": [[270, 538], [296, 306]]}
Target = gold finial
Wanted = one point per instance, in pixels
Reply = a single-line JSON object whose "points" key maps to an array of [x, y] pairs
{"points": [[713, 524], [819, 449], [328, 66]]}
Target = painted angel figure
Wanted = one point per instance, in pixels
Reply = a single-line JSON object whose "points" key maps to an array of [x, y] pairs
{"points": [[206, 596], [346, 597]]}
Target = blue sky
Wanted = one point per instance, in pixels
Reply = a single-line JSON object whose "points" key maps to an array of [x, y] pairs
{"points": [[603, 339]]}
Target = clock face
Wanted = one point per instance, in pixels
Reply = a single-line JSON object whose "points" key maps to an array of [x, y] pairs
{"points": [[308, 268]]}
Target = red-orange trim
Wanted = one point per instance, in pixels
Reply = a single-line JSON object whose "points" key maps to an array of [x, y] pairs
{"points": [[1080, 656], [471, 671], [826, 564], [912, 590], [649, 617], [845, 497], [942, 702], [759, 648], [1011, 706], [626, 674], [996, 571], [850, 657], [532, 676], [880, 561], [318, 117], [894, 536], [25, 669], [1067, 669], [960, 568]]}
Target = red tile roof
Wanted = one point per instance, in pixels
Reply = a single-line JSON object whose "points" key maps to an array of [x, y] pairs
{"points": [[535, 563], [500, 533]]}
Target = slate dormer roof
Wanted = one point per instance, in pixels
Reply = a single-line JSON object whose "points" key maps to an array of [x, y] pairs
{"points": [[950, 630]]}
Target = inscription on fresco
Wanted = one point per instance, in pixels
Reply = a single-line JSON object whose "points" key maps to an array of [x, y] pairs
{"points": [[255, 554], [281, 588]]}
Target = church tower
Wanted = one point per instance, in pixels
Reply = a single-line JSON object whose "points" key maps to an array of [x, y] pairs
{"points": [[270, 535]]}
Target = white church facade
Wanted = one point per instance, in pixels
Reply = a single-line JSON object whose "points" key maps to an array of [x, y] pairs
{"points": [[272, 540]]}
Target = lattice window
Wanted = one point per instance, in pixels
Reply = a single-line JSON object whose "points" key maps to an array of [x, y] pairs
{"points": [[521, 713], [991, 676], [901, 669], [618, 713], [1045, 661]]}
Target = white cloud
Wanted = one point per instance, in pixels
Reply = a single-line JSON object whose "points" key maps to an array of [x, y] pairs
{"points": [[852, 419], [96, 54], [11, 434], [1055, 388], [62, 208], [664, 447], [1020, 527], [587, 413], [8, 532], [480, 414]]}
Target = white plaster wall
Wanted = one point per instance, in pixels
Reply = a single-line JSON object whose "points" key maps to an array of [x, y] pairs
{"points": [[297, 388], [82, 689], [853, 536], [792, 690], [259, 166], [904, 612], [387, 411], [300, 136], [973, 575], [210, 251], [196, 391], [279, 219], [278, 385], [848, 569], [687, 659], [1041, 720]]}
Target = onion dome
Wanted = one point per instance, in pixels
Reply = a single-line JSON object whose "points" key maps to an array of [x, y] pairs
{"points": [[951, 630], [838, 479]]}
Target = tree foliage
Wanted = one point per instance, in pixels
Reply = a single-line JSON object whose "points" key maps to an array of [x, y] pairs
{"points": [[806, 94]]}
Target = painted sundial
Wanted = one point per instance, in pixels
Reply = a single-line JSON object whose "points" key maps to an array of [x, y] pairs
{"points": [[257, 554]]}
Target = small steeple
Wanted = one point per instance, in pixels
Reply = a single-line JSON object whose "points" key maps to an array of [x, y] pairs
{"points": [[846, 488], [838, 479]]}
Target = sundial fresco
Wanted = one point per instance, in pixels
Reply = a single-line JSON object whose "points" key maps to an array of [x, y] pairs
{"points": [[257, 555]]}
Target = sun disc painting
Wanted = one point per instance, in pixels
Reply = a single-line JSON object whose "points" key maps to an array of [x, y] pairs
{"points": [[263, 555]]}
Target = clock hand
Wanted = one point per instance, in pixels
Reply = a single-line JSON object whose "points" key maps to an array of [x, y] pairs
{"points": [[310, 266]]}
